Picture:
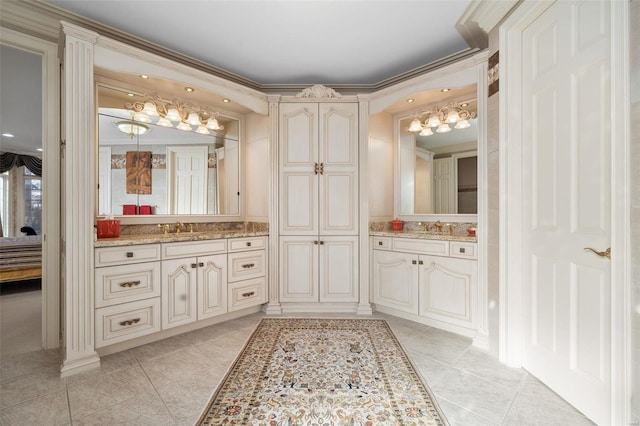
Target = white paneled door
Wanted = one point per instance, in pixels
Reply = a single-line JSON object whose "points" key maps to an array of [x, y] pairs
{"points": [[187, 179], [566, 187]]}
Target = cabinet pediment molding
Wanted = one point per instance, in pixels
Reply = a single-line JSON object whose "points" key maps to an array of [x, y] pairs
{"points": [[318, 91]]}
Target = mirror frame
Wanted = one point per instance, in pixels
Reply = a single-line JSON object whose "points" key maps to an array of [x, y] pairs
{"points": [[397, 192], [471, 70], [101, 81]]}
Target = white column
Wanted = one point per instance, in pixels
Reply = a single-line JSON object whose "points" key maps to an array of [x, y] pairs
{"points": [[364, 307], [274, 307], [79, 194]]}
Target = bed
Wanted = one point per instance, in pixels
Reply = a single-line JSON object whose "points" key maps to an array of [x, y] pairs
{"points": [[20, 258]]}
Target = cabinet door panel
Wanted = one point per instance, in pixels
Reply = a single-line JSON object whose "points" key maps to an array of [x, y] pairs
{"points": [[448, 289], [178, 292], [212, 286], [395, 280], [339, 135], [298, 269], [299, 214], [339, 203], [298, 134], [338, 269]]}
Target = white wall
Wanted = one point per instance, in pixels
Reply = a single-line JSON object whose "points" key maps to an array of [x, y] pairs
{"points": [[380, 167]]}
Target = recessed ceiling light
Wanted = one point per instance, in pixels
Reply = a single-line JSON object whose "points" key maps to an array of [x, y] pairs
{"points": [[226, 101], [464, 104], [410, 100], [445, 90], [130, 94], [39, 149], [189, 89], [144, 76], [8, 135]]}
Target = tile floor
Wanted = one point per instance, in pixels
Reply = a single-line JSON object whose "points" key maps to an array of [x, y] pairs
{"points": [[169, 382]]}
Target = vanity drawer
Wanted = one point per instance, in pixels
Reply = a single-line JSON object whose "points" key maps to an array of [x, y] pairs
{"points": [[193, 248], [247, 264], [127, 283], [127, 321], [247, 293], [248, 243], [110, 256], [464, 250], [420, 246], [382, 243]]}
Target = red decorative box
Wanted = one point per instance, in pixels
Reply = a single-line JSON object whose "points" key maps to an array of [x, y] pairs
{"points": [[145, 210], [396, 224], [108, 228], [129, 209]]}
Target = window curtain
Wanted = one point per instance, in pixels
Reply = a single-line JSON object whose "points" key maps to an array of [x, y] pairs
{"points": [[9, 160]]}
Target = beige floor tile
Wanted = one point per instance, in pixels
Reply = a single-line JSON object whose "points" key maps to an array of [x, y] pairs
{"points": [[147, 409], [528, 411], [484, 365], [89, 396], [51, 409], [176, 365], [45, 381], [458, 416], [18, 365]]}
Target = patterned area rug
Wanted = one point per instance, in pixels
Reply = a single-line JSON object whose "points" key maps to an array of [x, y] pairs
{"points": [[322, 372]]}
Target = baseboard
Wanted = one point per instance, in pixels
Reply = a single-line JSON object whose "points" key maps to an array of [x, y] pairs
{"points": [[428, 321], [69, 368]]}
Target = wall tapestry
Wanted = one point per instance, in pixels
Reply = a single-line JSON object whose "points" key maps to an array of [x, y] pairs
{"points": [[139, 172]]}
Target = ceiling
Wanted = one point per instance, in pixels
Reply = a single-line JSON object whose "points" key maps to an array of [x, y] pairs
{"points": [[348, 43], [292, 42]]}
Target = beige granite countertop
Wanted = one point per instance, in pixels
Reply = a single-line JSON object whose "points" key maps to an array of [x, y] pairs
{"points": [[423, 235], [128, 240]]}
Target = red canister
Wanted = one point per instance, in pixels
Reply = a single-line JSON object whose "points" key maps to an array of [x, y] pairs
{"points": [[108, 228], [396, 224]]}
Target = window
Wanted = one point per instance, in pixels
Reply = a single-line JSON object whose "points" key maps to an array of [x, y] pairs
{"points": [[32, 201]]}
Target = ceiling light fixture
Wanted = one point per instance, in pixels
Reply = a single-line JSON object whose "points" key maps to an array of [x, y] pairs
{"points": [[8, 135], [226, 101], [130, 95], [39, 149], [165, 113], [441, 119], [445, 90], [144, 76], [189, 89], [132, 128], [410, 100]]}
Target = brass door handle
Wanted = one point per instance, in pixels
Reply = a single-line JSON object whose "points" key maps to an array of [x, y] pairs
{"points": [[606, 253]]}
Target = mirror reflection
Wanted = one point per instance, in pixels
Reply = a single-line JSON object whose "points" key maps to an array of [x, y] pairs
{"points": [[144, 168], [439, 172]]}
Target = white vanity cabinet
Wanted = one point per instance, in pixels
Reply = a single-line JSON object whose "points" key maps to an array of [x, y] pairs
{"points": [[127, 293], [189, 268], [430, 281], [148, 288], [319, 204]]}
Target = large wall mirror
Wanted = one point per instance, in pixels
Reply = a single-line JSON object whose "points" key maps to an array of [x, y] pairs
{"points": [[438, 171], [164, 167]]}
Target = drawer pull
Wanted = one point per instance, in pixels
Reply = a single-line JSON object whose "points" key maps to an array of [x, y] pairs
{"points": [[201, 264], [462, 250], [379, 243], [248, 265], [194, 265], [249, 294], [129, 254], [130, 283], [420, 262], [413, 262], [130, 322], [321, 243], [315, 242], [248, 243]]}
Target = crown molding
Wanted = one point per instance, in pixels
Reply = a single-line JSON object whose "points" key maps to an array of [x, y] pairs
{"points": [[480, 18], [41, 19]]}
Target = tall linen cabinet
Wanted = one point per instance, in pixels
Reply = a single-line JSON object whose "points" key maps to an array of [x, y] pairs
{"points": [[318, 166]]}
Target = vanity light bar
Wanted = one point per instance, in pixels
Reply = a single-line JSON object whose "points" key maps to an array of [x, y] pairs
{"points": [[165, 113]]}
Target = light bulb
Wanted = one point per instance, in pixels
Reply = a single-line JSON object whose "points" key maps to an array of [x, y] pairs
{"points": [[202, 130], [193, 119], [150, 109], [453, 116], [213, 124], [184, 126], [433, 121], [173, 114], [415, 125], [141, 117], [162, 121], [462, 124], [444, 128], [426, 132]]}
